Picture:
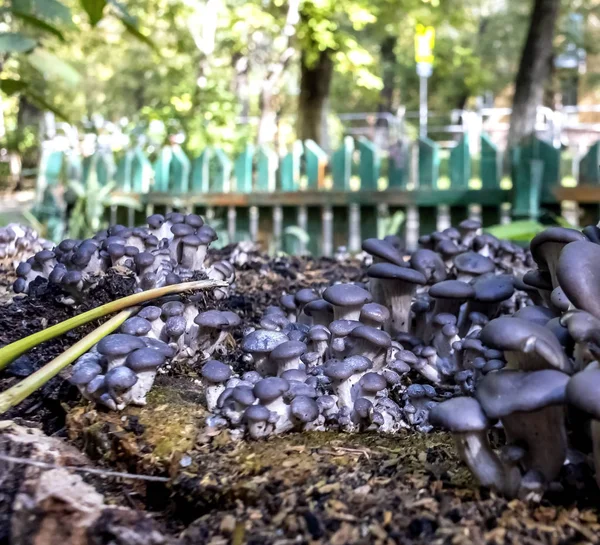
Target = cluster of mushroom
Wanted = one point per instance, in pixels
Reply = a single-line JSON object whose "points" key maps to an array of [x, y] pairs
{"points": [[120, 369], [17, 241], [170, 250], [344, 352], [547, 397]]}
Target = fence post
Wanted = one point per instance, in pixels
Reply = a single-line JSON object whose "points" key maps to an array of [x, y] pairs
{"points": [[429, 163], [460, 164], [316, 163], [398, 165], [243, 170], [589, 166], [222, 180], [527, 176], [341, 164], [369, 166], [201, 171], [162, 169], [489, 164], [266, 170], [289, 171]]}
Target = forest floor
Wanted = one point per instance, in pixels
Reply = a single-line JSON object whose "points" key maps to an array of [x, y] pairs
{"points": [[313, 488]]}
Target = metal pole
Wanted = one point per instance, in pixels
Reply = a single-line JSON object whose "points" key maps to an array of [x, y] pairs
{"points": [[422, 106]]}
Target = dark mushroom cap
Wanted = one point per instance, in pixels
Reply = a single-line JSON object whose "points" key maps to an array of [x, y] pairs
{"points": [[375, 312], [84, 371], [341, 328], [319, 333], [481, 241], [469, 225], [288, 302], [72, 278], [372, 382], [120, 378], [384, 251], [316, 306], [493, 365], [136, 326], [175, 326], [506, 333], [494, 288], [182, 230], [23, 269], [507, 392], [305, 296], [212, 319], [538, 279], [44, 255], [175, 217], [294, 374], [144, 259], [233, 320], [557, 235], [459, 415], [194, 220], [216, 371], [447, 248], [534, 313], [119, 344], [270, 388], [252, 377], [473, 263], [559, 299], [160, 346], [257, 413], [144, 359], [452, 289], [191, 240], [390, 271], [173, 308], [430, 264], [243, 395], [67, 245], [262, 340], [207, 234], [346, 295], [304, 408], [362, 407], [343, 369], [155, 221], [582, 392], [287, 350], [577, 271], [378, 337], [150, 313]]}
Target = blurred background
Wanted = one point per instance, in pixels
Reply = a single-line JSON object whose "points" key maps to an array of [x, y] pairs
{"points": [[86, 83]]}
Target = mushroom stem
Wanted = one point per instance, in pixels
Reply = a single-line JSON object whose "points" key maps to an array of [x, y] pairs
{"points": [[475, 450], [13, 396]]}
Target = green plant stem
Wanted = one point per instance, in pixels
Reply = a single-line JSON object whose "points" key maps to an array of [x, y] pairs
{"points": [[13, 396], [14, 350]]}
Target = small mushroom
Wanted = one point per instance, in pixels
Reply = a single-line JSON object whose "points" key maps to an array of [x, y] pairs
{"points": [[347, 300], [214, 375]]}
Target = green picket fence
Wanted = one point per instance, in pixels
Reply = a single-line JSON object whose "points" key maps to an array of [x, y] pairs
{"points": [[307, 201]]}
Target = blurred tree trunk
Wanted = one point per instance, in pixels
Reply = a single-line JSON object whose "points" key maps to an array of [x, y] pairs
{"points": [[388, 65], [241, 65], [315, 82], [533, 69]]}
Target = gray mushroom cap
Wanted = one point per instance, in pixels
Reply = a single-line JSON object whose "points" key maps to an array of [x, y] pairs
{"points": [[582, 392], [507, 392], [182, 230], [212, 319], [216, 371], [175, 326], [452, 289], [459, 415], [144, 359], [556, 235], [270, 388], [373, 335], [150, 313], [194, 220], [343, 369], [577, 270], [538, 279], [71, 278], [304, 408], [160, 346], [536, 314], [287, 350], [119, 344], [493, 288], [318, 305], [374, 312], [388, 271], [173, 308], [243, 395], [84, 372], [349, 295], [305, 296], [363, 407], [341, 328], [136, 326], [252, 377], [294, 374], [257, 413], [384, 251], [372, 382], [144, 259], [263, 341], [516, 334], [319, 333], [155, 220], [288, 302], [430, 264], [473, 263], [120, 378]]}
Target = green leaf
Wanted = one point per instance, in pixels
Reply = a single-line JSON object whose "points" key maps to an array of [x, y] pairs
{"points": [[38, 23], [51, 66], [12, 86], [43, 104], [52, 10], [122, 11], [297, 232], [523, 230], [94, 9], [135, 32], [15, 42]]}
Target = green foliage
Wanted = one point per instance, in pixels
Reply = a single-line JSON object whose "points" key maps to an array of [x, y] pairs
{"points": [[391, 225]]}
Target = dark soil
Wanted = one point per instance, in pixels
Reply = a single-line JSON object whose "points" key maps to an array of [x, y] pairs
{"points": [[311, 488]]}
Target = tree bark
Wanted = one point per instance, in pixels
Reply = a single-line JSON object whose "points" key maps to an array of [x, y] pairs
{"points": [[533, 69], [315, 82], [388, 64]]}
